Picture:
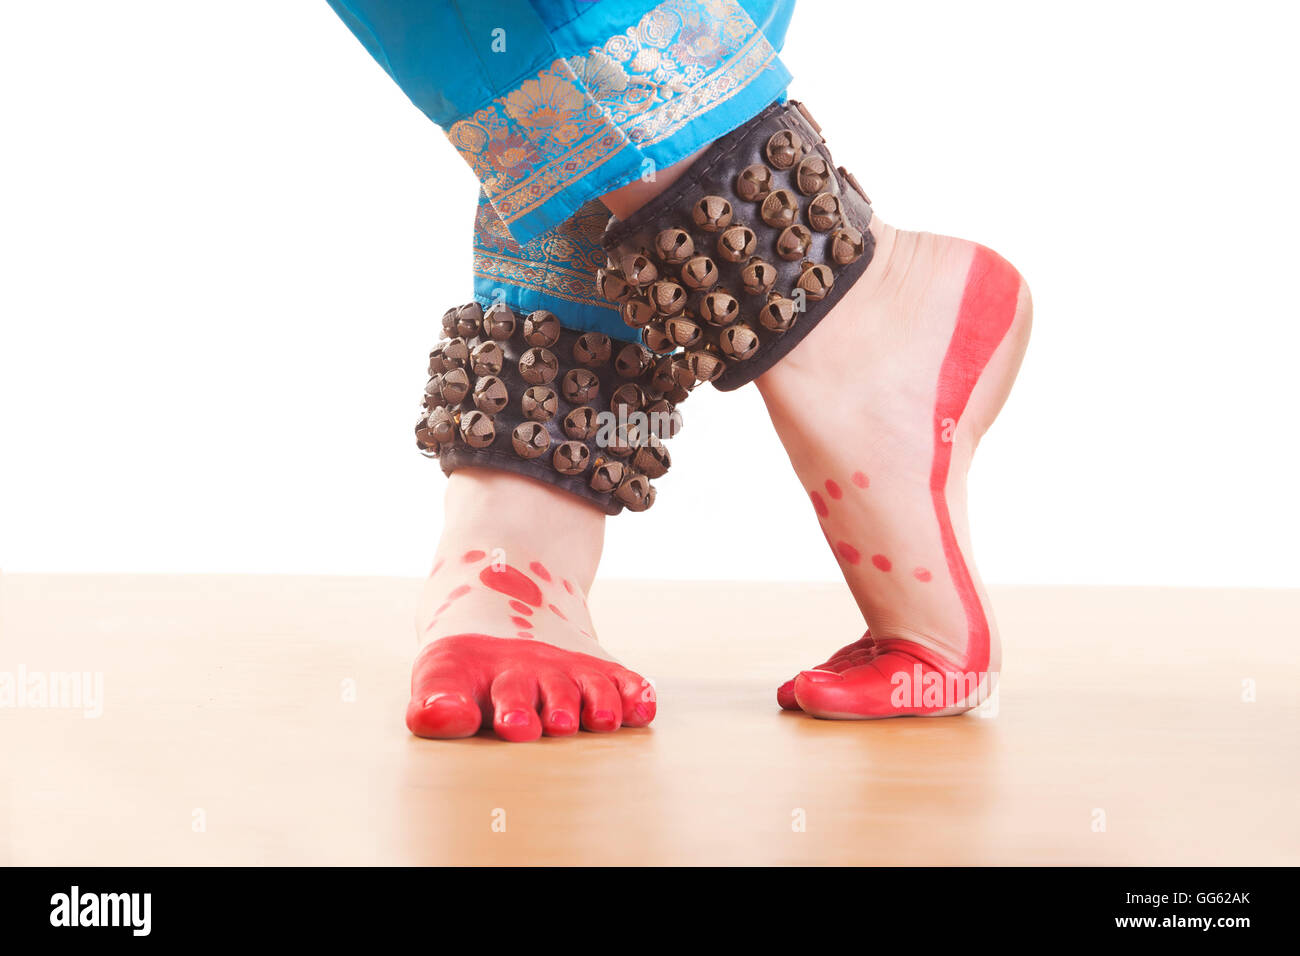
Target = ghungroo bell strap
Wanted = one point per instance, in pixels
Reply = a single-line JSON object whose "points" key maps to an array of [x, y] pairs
{"points": [[578, 410], [740, 258]]}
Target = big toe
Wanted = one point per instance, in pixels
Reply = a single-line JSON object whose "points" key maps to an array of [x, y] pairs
{"points": [[443, 712]]}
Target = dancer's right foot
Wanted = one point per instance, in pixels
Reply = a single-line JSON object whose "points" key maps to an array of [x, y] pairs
{"points": [[507, 635]]}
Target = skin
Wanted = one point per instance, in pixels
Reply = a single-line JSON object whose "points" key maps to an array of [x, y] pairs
{"points": [[906, 374], [931, 338], [508, 641]]}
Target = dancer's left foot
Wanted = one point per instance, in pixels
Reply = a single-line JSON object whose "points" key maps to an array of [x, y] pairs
{"points": [[880, 409]]}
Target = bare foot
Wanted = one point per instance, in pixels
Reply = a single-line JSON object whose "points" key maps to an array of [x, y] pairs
{"points": [[508, 636], [881, 409]]}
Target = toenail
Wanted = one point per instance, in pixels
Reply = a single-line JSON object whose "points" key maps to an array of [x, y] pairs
{"points": [[821, 677], [516, 718], [603, 717], [641, 712], [561, 720]]}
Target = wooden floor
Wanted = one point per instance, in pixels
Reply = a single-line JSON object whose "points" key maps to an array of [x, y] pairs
{"points": [[230, 733]]}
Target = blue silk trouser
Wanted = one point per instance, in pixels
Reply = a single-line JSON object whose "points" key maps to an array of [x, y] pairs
{"points": [[554, 103]]}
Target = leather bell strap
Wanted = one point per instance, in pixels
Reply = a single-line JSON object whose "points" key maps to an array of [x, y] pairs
{"points": [[737, 261], [577, 410]]}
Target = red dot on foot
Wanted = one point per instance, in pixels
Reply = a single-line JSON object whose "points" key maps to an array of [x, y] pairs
{"points": [[441, 609], [848, 552], [880, 561], [521, 607], [567, 586], [921, 574], [522, 622], [524, 634], [458, 592], [539, 569], [469, 557], [819, 504], [513, 583], [437, 566], [860, 479], [557, 612], [833, 489]]}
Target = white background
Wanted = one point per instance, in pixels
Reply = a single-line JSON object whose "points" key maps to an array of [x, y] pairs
{"points": [[226, 239]]}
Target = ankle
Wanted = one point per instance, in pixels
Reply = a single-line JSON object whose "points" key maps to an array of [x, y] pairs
{"points": [[527, 520], [626, 200]]}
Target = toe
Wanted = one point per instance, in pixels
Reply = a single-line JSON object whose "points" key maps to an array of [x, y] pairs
{"points": [[602, 709], [785, 696], [514, 706], [561, 704], [443, 702], [636, 697]]}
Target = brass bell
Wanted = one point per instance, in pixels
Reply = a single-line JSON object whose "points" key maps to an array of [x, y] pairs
{"points": [[477, 429], [674, 246], [455, 386], [665, 420], [637, 312], [699, 273], [436, 362], [631, 361], [754, 182], [579, 386], [779, 209], [813, 175], [449, 321], [490, 395], [757, 276], [706, 366], [638, 270], [682, 332], [455, 353], [824, 212], [433, 392], [571, 458], [846, 245], [530, 440], [538, 366], [607, 475], [652, 458], [712, 213], [469, 320], [627, 399], [778, 315], [683, 373], [499, 322], [656, 339], [612, 286], [635, 492], [784, 148], [737, 243], [719, 307], [541, 329], [794, 242], [581, 424], [816, 281], [424, 439], [623, 442], [592, 348], [487, 358], [664, 378], [442, 426], [667, 297], [538, 403], [738, 342]]}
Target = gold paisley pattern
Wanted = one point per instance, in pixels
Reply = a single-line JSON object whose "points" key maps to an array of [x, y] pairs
{"points": [[561, 262], [681, 59]]}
